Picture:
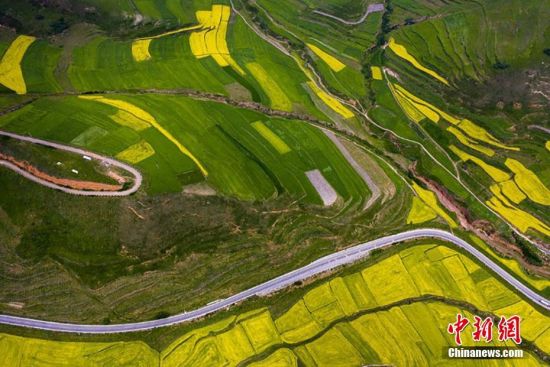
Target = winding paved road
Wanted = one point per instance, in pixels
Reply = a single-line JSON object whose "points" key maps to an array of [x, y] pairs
{"points": [[372, 8], [324, 264], [138, 179]]}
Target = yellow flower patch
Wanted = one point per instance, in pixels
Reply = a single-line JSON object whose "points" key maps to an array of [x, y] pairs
{"points": [[11, 75], [496, 174], [136, 153], [148, 118], [330, 101], [335, 64], [529, 182], [402, 52]]}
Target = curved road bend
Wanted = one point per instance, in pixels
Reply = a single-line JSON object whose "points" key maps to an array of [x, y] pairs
{"points": [[372, 8], [326, 263], [138, 178]]}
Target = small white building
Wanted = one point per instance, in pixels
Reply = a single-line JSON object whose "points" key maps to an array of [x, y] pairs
{"points": [[74, 171]]}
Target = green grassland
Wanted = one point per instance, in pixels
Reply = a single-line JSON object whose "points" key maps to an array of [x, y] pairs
{"points": [[466, 44], [356, 316]]}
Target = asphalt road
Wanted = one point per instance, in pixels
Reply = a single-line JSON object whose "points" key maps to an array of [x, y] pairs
{"points": [[326, 263], [138, 179]]}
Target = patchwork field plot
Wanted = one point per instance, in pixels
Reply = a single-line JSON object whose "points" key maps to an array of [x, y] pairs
{"points": [[263, 157], [330, 325], [106, 64], [270, 133], [37, 352], [467, 43]]}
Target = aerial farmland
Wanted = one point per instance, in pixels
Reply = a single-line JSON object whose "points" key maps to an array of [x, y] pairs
{"points": [[274, 183]]}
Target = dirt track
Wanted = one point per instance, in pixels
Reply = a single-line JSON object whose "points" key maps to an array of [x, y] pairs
{"points": [[68, 186]]}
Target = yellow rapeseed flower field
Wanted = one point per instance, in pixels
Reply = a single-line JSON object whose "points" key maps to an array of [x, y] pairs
{"points": [[20, 351], [420, 212], [136, 153], [469, 142], [330, 101], [330, 60], [210, 40], [148, 118], [140, 50], [512, 191], [402, 52], [127, 119], [409, 108], [279, 99], [11, 75], [261, 331], [271, 137], [376, 72], [297, 324], [280, 358], [434, 109], [519, 218], [529, 182], [479, 133], [430, 199], [351, 337], [496, 174]]}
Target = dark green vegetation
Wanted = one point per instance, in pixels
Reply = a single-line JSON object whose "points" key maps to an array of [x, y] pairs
{"points": [[185, 239]]}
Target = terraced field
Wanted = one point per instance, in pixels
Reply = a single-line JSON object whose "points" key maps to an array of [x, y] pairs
{"points": [[269, 134], [395, 311], [186, 139]]}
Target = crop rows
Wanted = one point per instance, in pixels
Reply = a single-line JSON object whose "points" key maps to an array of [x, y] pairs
{"points": [[331, 324]]}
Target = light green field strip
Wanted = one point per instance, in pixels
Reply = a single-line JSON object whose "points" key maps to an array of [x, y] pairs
{"points": [[148, 118], [335, 64], [279, 99], [11, 75], [271, 137], [140, 46], [402, 52]]}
